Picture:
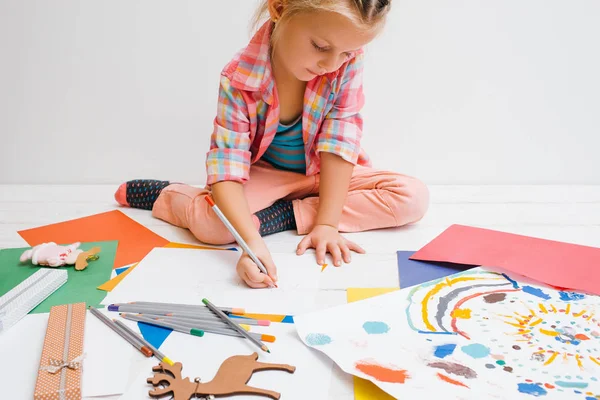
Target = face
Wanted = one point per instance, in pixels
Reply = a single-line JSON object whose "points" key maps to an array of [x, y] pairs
{"points": [[316, 43]]}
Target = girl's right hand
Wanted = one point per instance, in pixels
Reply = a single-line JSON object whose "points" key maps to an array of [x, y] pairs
{"points": [[249, 271]]}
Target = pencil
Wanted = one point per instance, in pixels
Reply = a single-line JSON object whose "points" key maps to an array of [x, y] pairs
{"points": [[111, 324], [234, 325], [193, 318], [236, 235], [134, 307], [197, 321], [175, 327], [210, 329], [157, 353], [174, 306]]}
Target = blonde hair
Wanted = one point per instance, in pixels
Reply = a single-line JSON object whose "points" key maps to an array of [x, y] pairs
{"points": [[365, 14]]}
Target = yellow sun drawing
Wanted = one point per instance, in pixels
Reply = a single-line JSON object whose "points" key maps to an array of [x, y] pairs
{"points": [[573, 333]]}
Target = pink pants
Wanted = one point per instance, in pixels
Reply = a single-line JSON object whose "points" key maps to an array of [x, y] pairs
{"points": [[376, 199]]}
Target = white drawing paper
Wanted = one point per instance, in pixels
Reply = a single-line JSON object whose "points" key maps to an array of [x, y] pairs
{"points": [[477, 334]]}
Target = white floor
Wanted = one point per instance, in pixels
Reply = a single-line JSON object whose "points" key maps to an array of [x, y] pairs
{"points": [[564, 213]]}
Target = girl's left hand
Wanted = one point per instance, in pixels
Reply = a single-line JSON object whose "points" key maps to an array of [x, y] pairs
{"points": [[326, 238]]}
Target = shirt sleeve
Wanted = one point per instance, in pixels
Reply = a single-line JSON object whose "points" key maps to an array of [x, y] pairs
{"points": [[341, 130], [228, 158]]}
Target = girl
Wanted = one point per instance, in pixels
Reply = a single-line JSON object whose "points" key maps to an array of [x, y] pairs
{"points": [[285, 149]]}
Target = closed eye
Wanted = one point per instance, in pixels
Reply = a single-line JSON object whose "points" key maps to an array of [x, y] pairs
{"points": [[319, 48]]}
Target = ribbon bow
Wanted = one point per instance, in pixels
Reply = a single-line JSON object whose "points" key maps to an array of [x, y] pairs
{"points": [[56, 365]]}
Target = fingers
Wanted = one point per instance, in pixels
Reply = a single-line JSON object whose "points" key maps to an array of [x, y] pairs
{"points": [[353, 246], [336, 253], [345, 253], [303, 245], [271, 268], [321, 251], [251, 275]]}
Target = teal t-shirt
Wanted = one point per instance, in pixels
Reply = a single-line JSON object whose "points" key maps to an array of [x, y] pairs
{"points": [[287, 149]]}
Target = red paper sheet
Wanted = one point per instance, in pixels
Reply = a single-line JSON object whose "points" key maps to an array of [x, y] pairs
{"points": [[559, 264], [135, 240]]}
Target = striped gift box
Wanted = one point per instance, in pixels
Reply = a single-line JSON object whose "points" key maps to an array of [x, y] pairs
{"points": [[59, 375]]}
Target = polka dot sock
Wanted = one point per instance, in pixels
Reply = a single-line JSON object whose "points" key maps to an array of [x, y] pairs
{"points": [[140, 193], [277, 218]]}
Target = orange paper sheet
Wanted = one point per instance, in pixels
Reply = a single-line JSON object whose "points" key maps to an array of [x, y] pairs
{"points": [[135, 240], [558, 264]]}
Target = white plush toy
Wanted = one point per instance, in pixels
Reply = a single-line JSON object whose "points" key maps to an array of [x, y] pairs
{"points": [[53, 255]]}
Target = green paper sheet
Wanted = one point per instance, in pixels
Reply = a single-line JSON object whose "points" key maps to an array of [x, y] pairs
{"points": [[80, 286]]}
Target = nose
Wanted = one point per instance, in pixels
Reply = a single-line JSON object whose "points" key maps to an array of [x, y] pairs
{"points": [[328, 64]]}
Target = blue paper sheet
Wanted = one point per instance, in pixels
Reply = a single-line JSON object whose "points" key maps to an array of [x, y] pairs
{"points": [[413, 272], [154, 334]]}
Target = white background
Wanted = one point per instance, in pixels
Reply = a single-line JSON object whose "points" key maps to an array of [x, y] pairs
{"points": [[497, 92]]}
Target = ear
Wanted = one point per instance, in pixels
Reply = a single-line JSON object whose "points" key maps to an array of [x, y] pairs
{"points": [[276, 9], [26, 255]]}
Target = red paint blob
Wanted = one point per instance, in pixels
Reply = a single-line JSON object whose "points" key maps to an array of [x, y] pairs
{"points": [[549, 386], [450, 380], [381, 373]]}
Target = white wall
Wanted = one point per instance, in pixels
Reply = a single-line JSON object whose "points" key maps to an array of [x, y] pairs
{"points": [[457, 91]]}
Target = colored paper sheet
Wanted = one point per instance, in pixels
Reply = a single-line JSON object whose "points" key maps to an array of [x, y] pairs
{"points": [[558, 264], [80, 286], [135, 240], [154, 334], [110, 285], [414, 272], [123, 272], [364, 389], [174, 245]]}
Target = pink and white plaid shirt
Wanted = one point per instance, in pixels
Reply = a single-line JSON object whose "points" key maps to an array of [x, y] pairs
{"points": [[248, 114]]}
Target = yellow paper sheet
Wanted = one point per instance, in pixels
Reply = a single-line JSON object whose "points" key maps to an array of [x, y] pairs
{"points": [[110, 285], [364, 389]]}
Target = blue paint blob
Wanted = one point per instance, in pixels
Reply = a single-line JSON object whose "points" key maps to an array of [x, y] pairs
{"points": [[375, 327], [476, 350], [572, 385], [590, 398], [444, 350], [533, 389], [536, 292], [570, 296], [318, 339]]}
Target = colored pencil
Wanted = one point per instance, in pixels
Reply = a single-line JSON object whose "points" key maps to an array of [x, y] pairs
{"points": [[134, 307], [236, 235], [210, 329], [208, 318], [174, 306], [175, 327], [157, 353], [234, 325], [111, 324]]}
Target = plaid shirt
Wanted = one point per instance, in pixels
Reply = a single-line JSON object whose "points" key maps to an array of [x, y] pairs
{"points": [[248, 114]]}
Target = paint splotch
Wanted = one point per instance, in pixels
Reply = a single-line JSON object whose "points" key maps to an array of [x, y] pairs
{"points": [[382, 373], [572, 385], [463, 313], [444, 350], [454, 368], [450, 380], [536, 292], [376, 327], [570, 296], [533, 389], [494, 298], [318, 339], [476, 350]]}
